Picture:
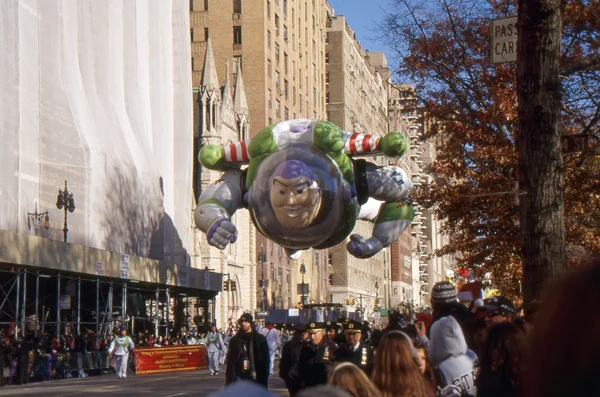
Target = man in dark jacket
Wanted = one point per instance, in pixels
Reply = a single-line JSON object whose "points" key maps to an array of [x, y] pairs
{"points": [[248, 354], [317, 356], [289, 366], [355, 350]]}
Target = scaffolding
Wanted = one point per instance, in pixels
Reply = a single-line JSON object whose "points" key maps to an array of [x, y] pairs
{"points": [[45, 301]]}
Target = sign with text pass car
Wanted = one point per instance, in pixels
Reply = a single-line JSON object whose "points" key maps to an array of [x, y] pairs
{"points": [[504, 40]]}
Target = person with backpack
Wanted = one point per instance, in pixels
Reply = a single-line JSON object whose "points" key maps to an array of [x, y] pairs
{"points": [[119, 349]]}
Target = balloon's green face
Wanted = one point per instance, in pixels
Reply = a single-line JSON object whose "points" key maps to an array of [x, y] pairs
{"points": [[295, 201]]}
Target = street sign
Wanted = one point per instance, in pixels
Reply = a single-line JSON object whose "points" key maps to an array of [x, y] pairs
{"points": [[262, 314], [504, 40], [575, 143]]}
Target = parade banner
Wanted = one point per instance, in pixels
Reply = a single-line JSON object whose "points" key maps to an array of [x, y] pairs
{"points": [[154, 360]]}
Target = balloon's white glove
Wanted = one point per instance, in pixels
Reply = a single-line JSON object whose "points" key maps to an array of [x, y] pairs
{"points": [[221, 233], [361, 248]]}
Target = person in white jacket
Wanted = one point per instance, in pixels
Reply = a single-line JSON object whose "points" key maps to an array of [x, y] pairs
{"points": [[273, 341], [448, 351], [119, 349]]}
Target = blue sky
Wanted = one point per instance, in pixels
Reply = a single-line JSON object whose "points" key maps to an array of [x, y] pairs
{"points": [[363, 16]]}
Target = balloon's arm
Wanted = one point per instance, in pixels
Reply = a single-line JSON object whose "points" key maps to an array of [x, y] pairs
{"points": [[391, 220], [393, 144], [217, 204], [230, 156]]}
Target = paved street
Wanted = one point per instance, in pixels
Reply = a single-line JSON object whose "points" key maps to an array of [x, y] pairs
{"points": [[182, 384]]}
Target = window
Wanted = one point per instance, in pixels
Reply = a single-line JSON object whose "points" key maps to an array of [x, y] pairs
{"points": [[277, 108], [269, 101], [237, 6], [191, 5], [300, 103], [237, 35], [286, 115], [327, 57], [278, 81], [277, 52], [268, 9], [314, 95], [286, 62], [327, 78], [192, 35], [327, 98], [285, 7], [285, 32], [327, 38], [269, 38], [294, 96], [205, 34], [300, 79], [286, 89], [276, 24], [193, 68], [269, 68], [205, 5]]}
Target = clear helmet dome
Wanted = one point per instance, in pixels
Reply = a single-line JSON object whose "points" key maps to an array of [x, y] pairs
{"points": [[298, 196]]}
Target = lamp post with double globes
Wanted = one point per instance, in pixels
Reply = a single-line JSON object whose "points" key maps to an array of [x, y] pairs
{"points": [[303, 288], [65, 200]]}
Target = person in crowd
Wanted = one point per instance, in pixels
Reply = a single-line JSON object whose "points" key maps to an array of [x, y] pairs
{"points": [[248, 355], [396, 373], [501, 363], [444, 302], [119, 349], [23, 347], [334, 332], [324, 391], [498, 309], [529, 313], [425, 365], [289, 365], [564, 350], [353, 379], [355, 350], [214, 345], [317, 356], [448, 351], [273, 340]]}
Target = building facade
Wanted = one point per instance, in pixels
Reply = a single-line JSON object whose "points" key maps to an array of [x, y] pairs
{"points": [[356, 96], [280, 47], [114, 140]]}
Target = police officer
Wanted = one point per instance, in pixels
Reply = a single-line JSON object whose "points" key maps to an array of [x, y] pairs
{"points": [[355, 350], [317, 356]]}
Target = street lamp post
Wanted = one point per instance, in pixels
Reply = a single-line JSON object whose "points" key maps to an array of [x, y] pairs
{"points": [[263, 259], [36, 219], [65, 200], [303, 272]]}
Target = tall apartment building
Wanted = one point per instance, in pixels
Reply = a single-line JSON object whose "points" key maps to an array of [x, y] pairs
{"points": [[414, 267], [280, 47], [356, 98]]}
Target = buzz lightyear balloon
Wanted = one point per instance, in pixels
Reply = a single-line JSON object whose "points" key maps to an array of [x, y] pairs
{"points": [[305, 188]]}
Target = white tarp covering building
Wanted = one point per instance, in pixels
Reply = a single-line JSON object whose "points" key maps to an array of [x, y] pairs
{"points": [[98, 93]]}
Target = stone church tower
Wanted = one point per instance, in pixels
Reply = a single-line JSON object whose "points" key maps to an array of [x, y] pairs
{"points": [[221, 117]]}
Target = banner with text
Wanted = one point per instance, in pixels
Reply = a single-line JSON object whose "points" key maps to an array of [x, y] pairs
{"points": [[153, 360]]}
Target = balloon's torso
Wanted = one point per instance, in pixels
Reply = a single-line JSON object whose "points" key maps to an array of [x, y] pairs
{"points": [[299, 199]]}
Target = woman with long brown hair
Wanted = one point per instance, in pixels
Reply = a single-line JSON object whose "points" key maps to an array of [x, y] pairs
{"points": [[351, 378], [396, 372]]}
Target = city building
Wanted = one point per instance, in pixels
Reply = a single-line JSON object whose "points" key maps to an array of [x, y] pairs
{"points": [[113, 139], [415, 267], [280, 47], [221, 117], [357, 100]]}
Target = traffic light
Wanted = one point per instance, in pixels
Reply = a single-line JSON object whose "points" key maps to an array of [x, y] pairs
{"points": [[233, 285], [226, 285]]}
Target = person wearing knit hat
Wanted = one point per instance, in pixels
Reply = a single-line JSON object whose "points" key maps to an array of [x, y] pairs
{"points": [[443, 292], [444, 303]]}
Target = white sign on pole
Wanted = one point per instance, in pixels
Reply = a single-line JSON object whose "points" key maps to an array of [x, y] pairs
{"points": [[504, 40], [99, 268], [124, 266], [65, 301], [293, 312]]}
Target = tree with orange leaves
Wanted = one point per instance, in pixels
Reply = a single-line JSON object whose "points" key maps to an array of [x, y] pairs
{"points": [[443, 49]]}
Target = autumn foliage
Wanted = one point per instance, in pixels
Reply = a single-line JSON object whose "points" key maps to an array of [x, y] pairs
{"points": [[470, 106]]}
